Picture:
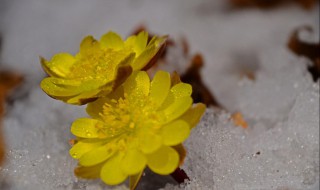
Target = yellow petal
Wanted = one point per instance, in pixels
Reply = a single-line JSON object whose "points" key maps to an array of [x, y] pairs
{"points": [[164, 161], [60, 87], [137, 86], [138, 43], [83, 147], [92, 172], [143, 59], [46, 68], [87, 128], [89, 45], [59, 65], [194, 114], [111, 173], [160, 86], [133, 162], [97, 155], [149, 142], [179, 90], [158, 41], [177, 108], [112, 40], [134, 180], [57, 87], [84, 97], [175, 132]]}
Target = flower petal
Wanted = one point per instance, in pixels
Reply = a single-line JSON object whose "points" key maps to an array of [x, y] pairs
{"points": [[160, 86], [112, 40], [149, 142], [137, 86], [138, 42], [143, 59], [97, 155], [87, 128], [194, 114], [179, 90], [59, 65], [84, 97], [177, 108], [57, 87], [175, 132], [163, 161], [111, 173], [88, 46], [83, 147], [133, 162], [91, 172]]}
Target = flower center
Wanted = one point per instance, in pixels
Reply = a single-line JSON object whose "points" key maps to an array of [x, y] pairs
{"points": [[101, 64], [126, 118]]}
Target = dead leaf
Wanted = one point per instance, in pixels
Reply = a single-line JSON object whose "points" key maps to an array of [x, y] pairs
{"points": [[309, 50], [238, 120], [267, 4], [8, 81], [200, 92]]}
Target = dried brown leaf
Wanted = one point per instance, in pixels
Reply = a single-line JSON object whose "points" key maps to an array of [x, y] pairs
{"points": [[309, 50], [8, 81], [266, 4], [200, 92]]}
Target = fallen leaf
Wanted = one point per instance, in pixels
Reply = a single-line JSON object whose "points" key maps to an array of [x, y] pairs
{"points": [[267, 4], [200, 92], [309, 50], [8, 81], [238, 120]]}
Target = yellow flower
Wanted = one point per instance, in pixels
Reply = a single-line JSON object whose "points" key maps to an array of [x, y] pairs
{"points": [[98, 68], [140, 124]]}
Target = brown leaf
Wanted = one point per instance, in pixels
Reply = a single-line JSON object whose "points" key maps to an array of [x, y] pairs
{"points": [[309, 50], [200, 92], [180, 176], [266, 4], [238, 120], [8, 81]]}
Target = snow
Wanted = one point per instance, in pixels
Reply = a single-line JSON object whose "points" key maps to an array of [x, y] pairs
{"points": [[284, 157], [280, 148]]}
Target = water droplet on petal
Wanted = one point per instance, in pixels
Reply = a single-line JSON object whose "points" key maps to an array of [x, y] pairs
{"points": [[74, 155], [88, 134]]}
